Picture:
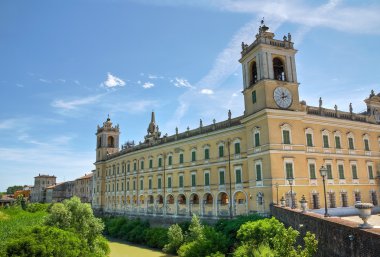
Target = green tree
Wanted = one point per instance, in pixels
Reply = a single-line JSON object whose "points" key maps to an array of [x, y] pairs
{"points": [[11, 190], [195, 229], [273, 234], [72, 215], [46, 242], [175, 237]]}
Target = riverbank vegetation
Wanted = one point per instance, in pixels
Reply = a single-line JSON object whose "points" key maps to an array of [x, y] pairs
{"points": [[247, 236], [62, 229]]}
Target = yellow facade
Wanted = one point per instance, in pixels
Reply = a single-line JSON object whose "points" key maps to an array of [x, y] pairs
{"points": [[243, 164]]}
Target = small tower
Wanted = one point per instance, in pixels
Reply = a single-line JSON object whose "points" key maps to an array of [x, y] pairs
{"points": [[153, 131], [107, 140], [269, 73]]}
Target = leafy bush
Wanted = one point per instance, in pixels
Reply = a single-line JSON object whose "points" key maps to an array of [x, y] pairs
{"points": [[36, 207], [157, 237], [175, 237], [273, 235], [45, 242]]}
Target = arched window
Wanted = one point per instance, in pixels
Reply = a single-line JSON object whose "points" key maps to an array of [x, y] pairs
{"points": [[110, 142], [99, 142], [253, 73], [278, 69]]}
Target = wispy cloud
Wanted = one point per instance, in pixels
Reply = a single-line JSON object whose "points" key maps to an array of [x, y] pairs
{"points": [[181, 82], [206, 91], [113, 81], [73, 104], [147, 85], [132, 106], [45, 80], [150, 76]]}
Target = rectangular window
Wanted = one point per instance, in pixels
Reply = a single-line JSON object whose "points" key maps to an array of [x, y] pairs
{"points": [[312, 171], [134, 166], [150, 163], [159, 183], [309, 139], [254, 96], [141, 184], [337, 142], [237, 148], [169, 182], [150, 184], [257, 139], [370, 172], [366, 145], [289, 170], [193, 156], [170, 160], [238, 176], [134, 185], [329, 171], [129, 167], [117, 187], [286, 136], [341, 171], [325, 141], [207, 179], [221, 177], [160, 162], [354, 171], [181, 181], [128, 186], [207, 154], [193, 181], [181, 158], [258, 172], [221, 151], [122, 186], [351, 143], [142, 165]]}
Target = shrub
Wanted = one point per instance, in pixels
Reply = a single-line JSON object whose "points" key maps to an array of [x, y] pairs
{"points": [[36, 207], [175, 238], [156, 237]]}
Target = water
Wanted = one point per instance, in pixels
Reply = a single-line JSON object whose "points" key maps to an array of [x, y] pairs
{"points": [[124, 249]]}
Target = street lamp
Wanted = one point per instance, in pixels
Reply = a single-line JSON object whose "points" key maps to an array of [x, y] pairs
{"points": [[276, 186], [323, 171], [291, 180]]}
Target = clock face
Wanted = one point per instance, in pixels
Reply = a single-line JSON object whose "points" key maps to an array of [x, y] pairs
{"points": [[282, 97]]}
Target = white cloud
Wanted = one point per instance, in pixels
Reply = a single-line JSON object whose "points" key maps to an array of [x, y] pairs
{"points": [[181, 82], [113, 81], [139, 82], [206, 91], [148, 85], [73, 104], [45, 80], [19, 85]]}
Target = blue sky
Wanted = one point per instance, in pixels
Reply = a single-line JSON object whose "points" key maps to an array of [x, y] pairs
{"points": [[66, 64]]}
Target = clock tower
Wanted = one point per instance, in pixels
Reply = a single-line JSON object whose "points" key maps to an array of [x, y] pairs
{"points": [[269, 73]]}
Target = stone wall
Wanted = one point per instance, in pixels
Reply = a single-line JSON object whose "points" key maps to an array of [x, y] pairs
{"points": [[336, 237]]}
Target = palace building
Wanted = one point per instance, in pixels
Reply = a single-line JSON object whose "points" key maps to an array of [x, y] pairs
{"points": [[243, 164]]}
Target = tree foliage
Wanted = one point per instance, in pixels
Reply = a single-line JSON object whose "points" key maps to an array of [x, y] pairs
{"points": [[11, 190], [270, 233], [175, 237], [76, 216]]}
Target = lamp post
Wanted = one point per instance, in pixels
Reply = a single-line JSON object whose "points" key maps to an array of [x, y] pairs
{"points": [[323, 171], [276, 186], [291, 180]]}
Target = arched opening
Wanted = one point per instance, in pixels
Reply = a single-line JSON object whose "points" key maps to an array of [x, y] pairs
{"points": [[194, 204], [170, 206], [253, 73], [208, 204], [142, 199], [150, 202], [99, 142], [159, 199], [110, 142], [159, 204], [240, 201], [134, 199], [128, 200], [150, 199], [315, 200], [181, 204], [223, 204], [194, 199], [278, 69]]}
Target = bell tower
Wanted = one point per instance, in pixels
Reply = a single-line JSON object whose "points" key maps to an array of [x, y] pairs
{"points": [[269, 73], [107, 140]]}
